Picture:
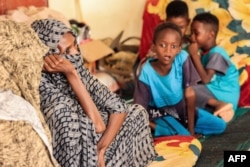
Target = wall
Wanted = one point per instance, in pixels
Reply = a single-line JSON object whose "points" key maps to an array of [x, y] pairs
{"points": [[13, 4], [105, 18]]}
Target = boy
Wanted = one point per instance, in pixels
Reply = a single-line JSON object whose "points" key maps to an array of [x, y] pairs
{"points": [[177, 13], [165, 90], [219, 76]]}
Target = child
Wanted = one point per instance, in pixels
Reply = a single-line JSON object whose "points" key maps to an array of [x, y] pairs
{"points": [[164, 89], [177, 13], [220, 78]]}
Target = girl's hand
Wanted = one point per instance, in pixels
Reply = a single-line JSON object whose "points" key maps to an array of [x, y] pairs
{"points": [[55, 63]]}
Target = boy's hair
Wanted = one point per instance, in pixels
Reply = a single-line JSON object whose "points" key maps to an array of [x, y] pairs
{"points": [[164, 26], [208, 19], [177, 8]]}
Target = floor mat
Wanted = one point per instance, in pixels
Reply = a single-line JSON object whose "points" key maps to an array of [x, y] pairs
{"points": [[236, 137]]}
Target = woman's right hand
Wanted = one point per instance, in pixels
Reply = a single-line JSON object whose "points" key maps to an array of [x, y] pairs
{"points": [[101, 159], [55, 63]]}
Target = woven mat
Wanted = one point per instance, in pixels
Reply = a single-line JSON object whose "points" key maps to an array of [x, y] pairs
{"points": [[236, 137]]}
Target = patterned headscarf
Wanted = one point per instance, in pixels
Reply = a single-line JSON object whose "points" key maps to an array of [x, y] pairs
{"points": [[50, 31]]}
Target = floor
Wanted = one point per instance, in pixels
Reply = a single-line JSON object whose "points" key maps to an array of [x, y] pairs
{"points": [[235, 138]]}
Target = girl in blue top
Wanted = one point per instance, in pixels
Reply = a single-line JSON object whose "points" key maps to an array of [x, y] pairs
{"points": [[164, 89], [219, 76]]}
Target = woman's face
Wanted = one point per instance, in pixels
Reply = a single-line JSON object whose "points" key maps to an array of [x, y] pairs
{"points": [[68, 45]]}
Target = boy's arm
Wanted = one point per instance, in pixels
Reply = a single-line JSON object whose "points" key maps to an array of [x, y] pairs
{"points": [[142, 96], [205, 74], [190, 74]]}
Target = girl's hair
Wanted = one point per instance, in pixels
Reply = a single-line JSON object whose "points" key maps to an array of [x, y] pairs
{"points": [[208, 19], [164, 26]]}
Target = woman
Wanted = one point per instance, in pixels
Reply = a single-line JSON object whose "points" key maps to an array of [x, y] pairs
{"points": [[69, 93]]}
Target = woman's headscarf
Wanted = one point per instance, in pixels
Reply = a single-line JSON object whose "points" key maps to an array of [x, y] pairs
{"points": [[50, 31]]}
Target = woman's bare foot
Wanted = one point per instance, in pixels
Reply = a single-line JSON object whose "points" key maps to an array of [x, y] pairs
{"points": [[225, 111]]}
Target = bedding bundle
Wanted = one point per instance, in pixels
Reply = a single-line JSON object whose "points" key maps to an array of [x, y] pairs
{"points": [[25, 138]]}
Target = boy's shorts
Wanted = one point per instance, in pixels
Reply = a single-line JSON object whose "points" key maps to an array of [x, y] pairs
{"points": [[202, 96]]}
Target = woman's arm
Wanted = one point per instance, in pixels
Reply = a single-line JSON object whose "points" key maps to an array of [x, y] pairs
{"points": [[114, 124], [55, 63], [85, 100]]}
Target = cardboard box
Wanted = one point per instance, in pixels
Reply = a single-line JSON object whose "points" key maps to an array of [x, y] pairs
{"points": [[93, 50]]}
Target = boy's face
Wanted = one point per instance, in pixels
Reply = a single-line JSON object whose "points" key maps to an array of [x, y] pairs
{"points": [[167, 46], [181, 22], [201, 34]]}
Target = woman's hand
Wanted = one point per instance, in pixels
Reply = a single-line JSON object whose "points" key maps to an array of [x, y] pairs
{"points": [[114, 124], [100, 156], [55, 63]]}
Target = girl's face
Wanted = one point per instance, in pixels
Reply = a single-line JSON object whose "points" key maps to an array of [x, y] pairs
{"points": [[181, 22], [167, 46], [68, 45], [200, 34]]}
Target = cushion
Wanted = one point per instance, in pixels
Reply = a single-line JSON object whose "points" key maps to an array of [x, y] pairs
{"points": [[176, 151]]}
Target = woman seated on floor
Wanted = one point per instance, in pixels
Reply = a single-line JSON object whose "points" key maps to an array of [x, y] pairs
{"points": [[69, 94]]}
